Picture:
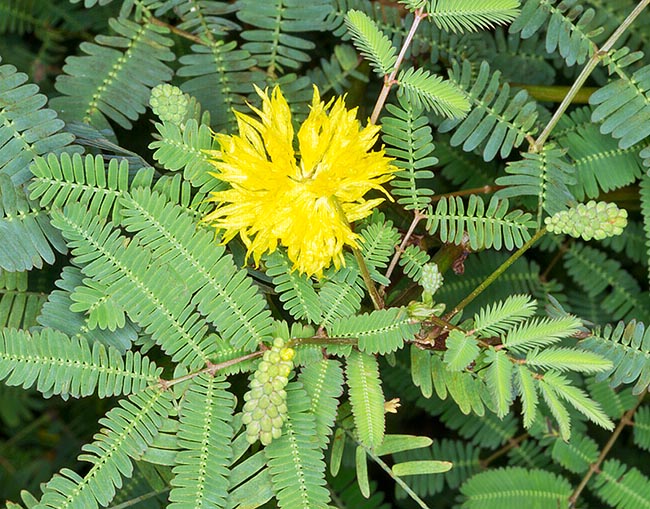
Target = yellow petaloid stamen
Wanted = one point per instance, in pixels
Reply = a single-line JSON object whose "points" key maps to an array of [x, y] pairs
{"points": [[276, 200]]}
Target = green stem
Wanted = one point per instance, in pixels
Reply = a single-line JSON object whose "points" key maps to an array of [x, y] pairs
{"points": [[586, 71], [492, 278], [388, 470], [377, 301]]}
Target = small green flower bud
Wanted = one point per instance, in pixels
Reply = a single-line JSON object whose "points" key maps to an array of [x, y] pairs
{"points": [[169, 103]]}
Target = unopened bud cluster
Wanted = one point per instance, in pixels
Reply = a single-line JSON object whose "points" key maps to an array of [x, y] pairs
{"points": [[266, 407], [589, 220], [431, 279], [169, 103]]}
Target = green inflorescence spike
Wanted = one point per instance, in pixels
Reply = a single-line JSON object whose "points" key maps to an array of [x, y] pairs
{"points": [[592, 220], [265, 407]]}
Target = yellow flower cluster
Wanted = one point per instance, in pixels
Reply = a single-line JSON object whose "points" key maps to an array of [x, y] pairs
{"points": [[302, 199]]}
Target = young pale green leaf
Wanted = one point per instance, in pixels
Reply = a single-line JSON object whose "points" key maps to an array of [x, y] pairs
{"points": [[577, 398], [499, 380], [558, 410], [462, 349], [540, 332], [421, 370], [568, 359], [336, 454], [525, 384], [362, 471], [371, 42], [442, 96], [503, 315], [463, 16], [422, 467], [400, 443]]}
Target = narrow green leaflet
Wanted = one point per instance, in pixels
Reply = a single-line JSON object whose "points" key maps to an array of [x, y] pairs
{"points": [[499, 380], [366, 397]]}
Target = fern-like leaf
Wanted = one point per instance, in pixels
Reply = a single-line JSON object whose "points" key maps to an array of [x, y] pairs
{"points": [[628, 347], [461, 16], [61, 180], [341, 295], [219, 75], [568, 359], [569, 29], [498, 122], [366, 397], [273, 42], [26, 236], [27, 129], [544, 176], [371, 42], [499, 380], [540, 332], [127, 430], [18, 307], [226, 296], [577, 398], [323, 382], [443, 97], [60, 312], [622, 107], [503, 315], [125, 68], [205, 436], [642, 428], [593, 155], [412, 260], [598, 275], [143, 293], [626, 488], [486, 228], [515, 487], [58, 364], [462, 350], [187, 148], [296, 290], [295, 460], [409, 138], [382, 331], [577, 454]]}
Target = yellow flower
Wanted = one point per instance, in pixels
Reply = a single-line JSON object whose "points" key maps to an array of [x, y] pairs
{"points": [[303, 200]]}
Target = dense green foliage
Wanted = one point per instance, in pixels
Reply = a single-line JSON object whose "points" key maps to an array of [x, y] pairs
{"points": [[484, 346]]}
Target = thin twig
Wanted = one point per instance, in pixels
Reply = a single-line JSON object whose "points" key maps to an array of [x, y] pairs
{"points": [[211, 369], [595, 59], [513, 443], [389, 80], [417, 217], [595, 467]]}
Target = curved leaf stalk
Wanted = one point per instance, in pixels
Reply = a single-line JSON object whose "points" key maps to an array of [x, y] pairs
{"points": [[493, 277], [586, 71], [389, 80], [417, 217], [626, 420], [212, 369], [388, 470]]}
